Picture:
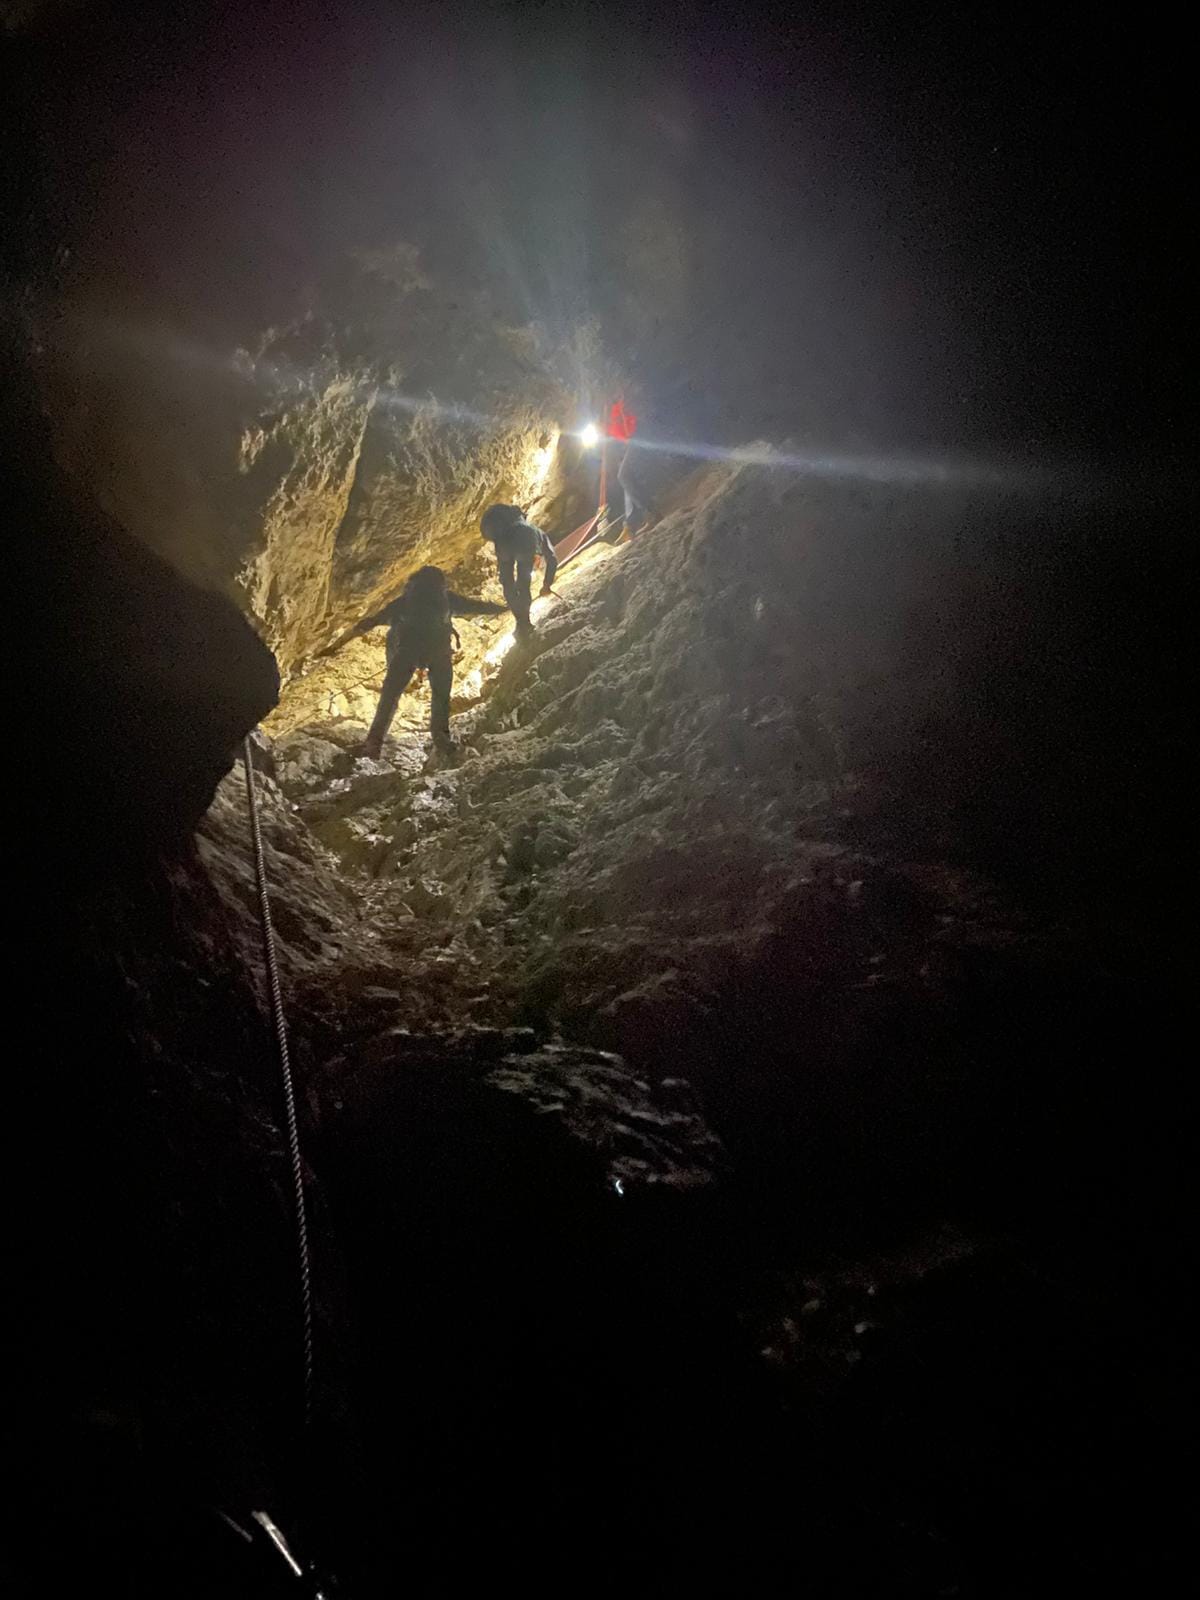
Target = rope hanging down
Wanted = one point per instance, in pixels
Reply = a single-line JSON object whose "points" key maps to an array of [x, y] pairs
{"points": [[275, 994]]}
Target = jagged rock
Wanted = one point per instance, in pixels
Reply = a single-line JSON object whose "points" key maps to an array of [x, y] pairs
{"points": [[145, 1116], [731, 811], [309, 475], [427, 899], [647, 1135], [660, 836], [306, 764], [147, 683], [625, 1131]]}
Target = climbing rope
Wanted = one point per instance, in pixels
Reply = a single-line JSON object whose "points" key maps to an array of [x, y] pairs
{"points": [[275, 993], [349, 689]]}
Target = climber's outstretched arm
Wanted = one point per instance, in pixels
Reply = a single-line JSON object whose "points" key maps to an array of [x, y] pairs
{"points": [[381, 619], [462, 605]]}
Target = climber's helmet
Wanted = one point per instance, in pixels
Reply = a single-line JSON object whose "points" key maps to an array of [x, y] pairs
{"points": [[498, 518], [427, 586]]}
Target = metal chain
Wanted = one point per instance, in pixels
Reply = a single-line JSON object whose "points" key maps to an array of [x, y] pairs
{"points": [[275, 994]]}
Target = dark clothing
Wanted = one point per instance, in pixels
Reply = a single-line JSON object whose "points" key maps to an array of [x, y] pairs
{"points": [[517, 547], [419, 636], [425, 617], [402, 663], [638, 510]]}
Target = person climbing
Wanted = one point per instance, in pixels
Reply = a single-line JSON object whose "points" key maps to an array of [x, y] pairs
{"points": [[620, 429], [638, 511], [419, 634], [518, 544]]}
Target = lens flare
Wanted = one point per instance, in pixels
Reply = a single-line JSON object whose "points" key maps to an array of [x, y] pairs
{"points": [[589, 437]]}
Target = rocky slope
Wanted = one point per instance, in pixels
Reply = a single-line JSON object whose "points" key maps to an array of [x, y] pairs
{"points": [[750, 794], [666, 1059], [753, 813], [661, 808]]}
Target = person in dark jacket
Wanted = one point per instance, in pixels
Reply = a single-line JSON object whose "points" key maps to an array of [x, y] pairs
{"points": [[419, 635], [518, 544]]}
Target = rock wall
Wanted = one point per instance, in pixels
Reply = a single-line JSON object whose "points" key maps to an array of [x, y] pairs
{"points": [[156, 1343], [307, 476], [739, 812], [756, 810], [763, 776], [146, 683], [661, 783]]}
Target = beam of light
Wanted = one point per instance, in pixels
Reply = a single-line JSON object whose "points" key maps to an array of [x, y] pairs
{"points": [[429, 405], [278, 1540], [1029, 474], [884, 467]]}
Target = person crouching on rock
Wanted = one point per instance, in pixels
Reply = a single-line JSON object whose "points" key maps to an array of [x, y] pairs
{"points": [[419, 635], [518, 544]]}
